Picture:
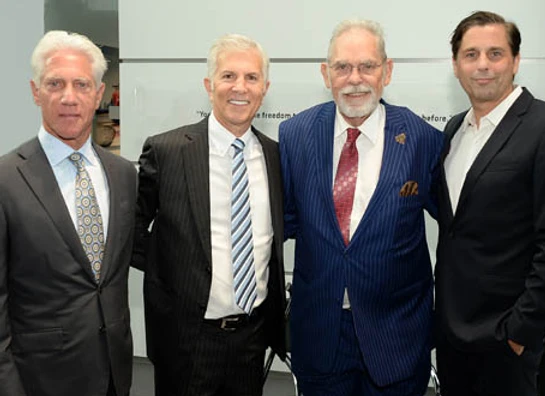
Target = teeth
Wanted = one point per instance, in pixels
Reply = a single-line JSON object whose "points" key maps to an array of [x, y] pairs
{"points": [[239, 102]]}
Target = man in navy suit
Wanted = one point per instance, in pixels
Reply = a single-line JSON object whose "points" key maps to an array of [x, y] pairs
{"points": [[358, 174], [490, 269]]}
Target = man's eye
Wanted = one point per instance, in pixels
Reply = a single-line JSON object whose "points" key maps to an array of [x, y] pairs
{"points": [[367, 67], [228, 76], [82, 85], [53, 84], [496, 54]]}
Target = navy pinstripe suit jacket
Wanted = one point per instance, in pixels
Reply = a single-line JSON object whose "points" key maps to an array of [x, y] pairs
{"points": [[386, 267]]}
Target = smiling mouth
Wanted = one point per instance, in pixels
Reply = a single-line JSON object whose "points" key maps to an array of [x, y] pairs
{"points": [[356, 96], [483, 80], [239, 102]]}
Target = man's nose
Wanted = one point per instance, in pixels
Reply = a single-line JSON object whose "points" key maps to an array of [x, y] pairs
{"points": [[68, 95], [355, 76]]}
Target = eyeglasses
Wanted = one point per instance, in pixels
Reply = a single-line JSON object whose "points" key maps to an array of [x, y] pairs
{"points": [[343, 69]]}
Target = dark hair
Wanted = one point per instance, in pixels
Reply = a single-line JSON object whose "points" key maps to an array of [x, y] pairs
{"points": [[483, 18]]}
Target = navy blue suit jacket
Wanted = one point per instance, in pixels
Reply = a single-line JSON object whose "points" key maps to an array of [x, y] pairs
{"points": [[386, 267]]}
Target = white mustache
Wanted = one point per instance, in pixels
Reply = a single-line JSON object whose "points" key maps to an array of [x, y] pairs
{"points": [[355, 89]]}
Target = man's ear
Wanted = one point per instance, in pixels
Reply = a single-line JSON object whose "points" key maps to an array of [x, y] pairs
{"points": [[35, 92], [325, 74]]}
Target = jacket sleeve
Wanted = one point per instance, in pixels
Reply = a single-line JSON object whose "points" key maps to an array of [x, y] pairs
{"points": [[146, 204], [10, 381], [290, 213], [526, 323]]}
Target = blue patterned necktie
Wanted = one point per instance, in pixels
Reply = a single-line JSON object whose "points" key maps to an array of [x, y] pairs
{"points": [[90, 229], [242, 246]]}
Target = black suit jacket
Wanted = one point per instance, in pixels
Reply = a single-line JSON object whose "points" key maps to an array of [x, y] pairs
{"points": [[60, 332], [490, 273], [176, 253]]}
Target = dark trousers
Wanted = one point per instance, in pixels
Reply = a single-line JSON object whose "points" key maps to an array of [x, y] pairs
{"points": [[541, 377], [496, 372], [111, 388], [350, 376], [221, 363]]}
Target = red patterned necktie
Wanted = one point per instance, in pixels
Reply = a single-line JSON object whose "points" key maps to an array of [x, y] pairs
{"points": [[345, 183]]}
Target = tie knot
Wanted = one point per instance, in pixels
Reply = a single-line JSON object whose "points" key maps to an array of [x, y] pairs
{"points": [[238, 145], [353, 134], [77, 159]]}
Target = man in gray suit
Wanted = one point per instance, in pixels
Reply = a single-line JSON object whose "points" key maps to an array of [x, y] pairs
{"points": [[206, 335], [66, 230]]}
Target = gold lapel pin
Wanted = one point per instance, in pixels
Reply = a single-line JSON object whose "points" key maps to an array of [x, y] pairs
{"points": [[401, 138]]}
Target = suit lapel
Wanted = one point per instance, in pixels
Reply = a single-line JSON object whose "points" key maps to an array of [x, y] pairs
{"points": [[117, 188], [499, 137], [37, 172], [321, 139], [450, 130], [393, 158], [196, 168], [272, 162]]}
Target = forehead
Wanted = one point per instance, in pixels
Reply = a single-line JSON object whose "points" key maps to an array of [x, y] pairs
{"points": [[248, 61], [483, 37], [356, 43], [68, 61]]}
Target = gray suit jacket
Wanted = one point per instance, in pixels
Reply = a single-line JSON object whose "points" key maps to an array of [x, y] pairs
{"points": [[176, 254], [61, 334]]}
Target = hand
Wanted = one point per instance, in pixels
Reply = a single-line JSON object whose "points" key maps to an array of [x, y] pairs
{"points": [[517, 348]]}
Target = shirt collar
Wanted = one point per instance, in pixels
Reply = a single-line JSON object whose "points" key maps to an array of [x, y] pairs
{"points": [[221, 139], [57, 151], [369, 128], [497, 114]]}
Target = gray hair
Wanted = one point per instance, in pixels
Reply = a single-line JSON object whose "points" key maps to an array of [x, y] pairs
{"points": [[56, 40], [371, 26], [233, 43]]}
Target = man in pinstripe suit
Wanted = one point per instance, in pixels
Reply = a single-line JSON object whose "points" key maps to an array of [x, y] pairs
{"points": [[200, 338], [362, 282]]}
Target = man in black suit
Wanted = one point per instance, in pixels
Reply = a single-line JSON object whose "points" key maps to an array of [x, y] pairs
{"points": [[490, 273], [201, 337], [66, 233]]}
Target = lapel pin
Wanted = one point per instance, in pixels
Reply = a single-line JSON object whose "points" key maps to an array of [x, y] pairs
{"points": [[401, 138]]}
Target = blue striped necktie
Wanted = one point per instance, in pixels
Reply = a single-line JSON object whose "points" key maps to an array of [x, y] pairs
{"points": [[242, 246]]}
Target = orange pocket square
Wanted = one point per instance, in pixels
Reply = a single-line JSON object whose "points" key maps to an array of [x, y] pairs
{"points": [[409, 188]]}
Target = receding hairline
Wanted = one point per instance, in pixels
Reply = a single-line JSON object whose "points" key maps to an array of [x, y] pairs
{"points": [[372, 28]]}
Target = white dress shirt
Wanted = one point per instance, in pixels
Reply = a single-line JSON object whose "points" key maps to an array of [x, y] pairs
{"points": [[221, 301], [57, 153], [468, 142], [370, 145]]}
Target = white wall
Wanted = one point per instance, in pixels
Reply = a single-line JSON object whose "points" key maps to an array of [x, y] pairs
{"points": [[21, 26], [163, 46]]}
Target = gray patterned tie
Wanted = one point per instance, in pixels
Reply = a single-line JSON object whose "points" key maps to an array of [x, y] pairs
{"points": [[242, 253], [90, 229]]}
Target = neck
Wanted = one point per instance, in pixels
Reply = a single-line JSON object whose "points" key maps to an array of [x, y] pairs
{"points": [[481, 109], [355, 121]]}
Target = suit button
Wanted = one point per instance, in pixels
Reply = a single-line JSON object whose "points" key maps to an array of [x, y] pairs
{"points": [[102, 329], [451, 234], [209, 269]]}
